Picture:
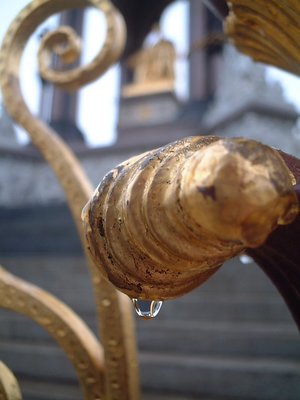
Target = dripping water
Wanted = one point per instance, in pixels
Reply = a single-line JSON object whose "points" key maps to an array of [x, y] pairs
{"points": [[245, 259], [147, 308]]}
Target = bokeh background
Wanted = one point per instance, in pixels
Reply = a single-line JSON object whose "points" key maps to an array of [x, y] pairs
{"points": [[233, 338]]}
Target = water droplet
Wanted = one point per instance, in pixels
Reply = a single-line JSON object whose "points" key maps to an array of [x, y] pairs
{"points": [[244, 259], [147, 308]]}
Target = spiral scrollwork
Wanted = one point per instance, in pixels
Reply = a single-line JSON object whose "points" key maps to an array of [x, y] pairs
{"points": [[72, 335], [113, 309], [268, 31], [64, 43], [9, 387]]}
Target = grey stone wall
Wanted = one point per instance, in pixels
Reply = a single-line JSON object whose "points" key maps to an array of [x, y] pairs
{"points": [[241, 81], [274, 132], [231, 338], [242, 86], [8, 138], [26, 180]]}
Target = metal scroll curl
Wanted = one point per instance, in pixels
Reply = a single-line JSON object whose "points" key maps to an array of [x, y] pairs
{"points": [[66, 328], [64, 43], [267, 31], [38, 11], [9, 387], [113, 309], [57, 154], [69, 50]]}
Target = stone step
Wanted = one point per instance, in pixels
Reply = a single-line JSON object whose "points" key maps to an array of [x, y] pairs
{"points": [[23, 228], [236, 292], [53, 273], [185, 337], [233, 378], [38, 360], [207, 306], [173, 396], [216, 307], [45, 390], [232, 308], [187, 375], [208, 338], [235, 277]]}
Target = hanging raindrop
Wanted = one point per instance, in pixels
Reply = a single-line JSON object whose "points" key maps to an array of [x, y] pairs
{"points": [[147, 308], [244, 259]]}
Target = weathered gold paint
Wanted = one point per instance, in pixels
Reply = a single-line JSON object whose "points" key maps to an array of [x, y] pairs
{"points": [[121, 375], [9, 387], [160, 224], [266, 30], [177, 213], [71, 334]]}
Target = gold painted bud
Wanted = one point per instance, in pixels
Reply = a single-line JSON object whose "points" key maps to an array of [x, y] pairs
{"points": [[163, 222]]}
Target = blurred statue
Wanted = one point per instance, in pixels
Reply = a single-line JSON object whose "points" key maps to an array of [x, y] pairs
{"points": [[154, 64], [153, 68]]}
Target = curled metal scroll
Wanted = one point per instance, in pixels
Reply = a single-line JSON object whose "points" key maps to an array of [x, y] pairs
{"points": [[268, 31], [160, 224], [65, 43], [54, 150], [113, 309], [9, 387], [67, 329]]}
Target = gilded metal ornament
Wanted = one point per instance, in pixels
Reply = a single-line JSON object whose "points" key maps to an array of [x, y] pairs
{"points": [[9, 387], [114, 310], [267, 31], [67, 329], [163, 222]]}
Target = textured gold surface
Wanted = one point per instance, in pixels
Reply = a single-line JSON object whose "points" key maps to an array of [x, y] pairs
{"points": [[113, 309], [70, 333], [161, 223], [9, 388], [268, 31]]}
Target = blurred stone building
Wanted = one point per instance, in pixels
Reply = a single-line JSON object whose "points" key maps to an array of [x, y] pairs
{"points": [[231, 339]]}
